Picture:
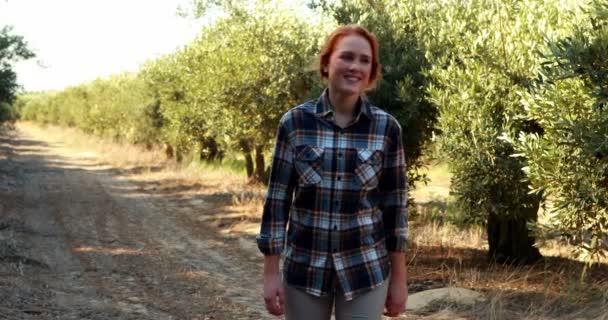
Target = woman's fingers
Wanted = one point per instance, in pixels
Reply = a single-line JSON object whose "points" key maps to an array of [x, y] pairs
{"points": [[275, 302], [281, 296], [393, 308], [274, 295], [272, 306], [387, 305]]}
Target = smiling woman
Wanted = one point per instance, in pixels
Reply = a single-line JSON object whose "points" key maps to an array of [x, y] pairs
{"points": [[341, 160]]}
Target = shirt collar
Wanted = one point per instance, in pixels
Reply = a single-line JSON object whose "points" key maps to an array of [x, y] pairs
{"points": [[325, 109]]}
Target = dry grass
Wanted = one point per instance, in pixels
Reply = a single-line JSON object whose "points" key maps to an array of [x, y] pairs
{"points": [[441, 254], [134, 159], [436, 233], [444, 254]]}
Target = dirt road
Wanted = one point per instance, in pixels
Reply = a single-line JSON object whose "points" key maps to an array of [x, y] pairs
{"points": [[80, 241]]}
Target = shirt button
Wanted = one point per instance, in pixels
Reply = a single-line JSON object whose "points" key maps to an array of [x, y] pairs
{"points": [[335, 227], [340, 155], [335, 250], [339, 177]]}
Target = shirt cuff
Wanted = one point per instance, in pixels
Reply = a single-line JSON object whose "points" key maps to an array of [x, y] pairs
{"points": [[270, 246], [396, 244]]}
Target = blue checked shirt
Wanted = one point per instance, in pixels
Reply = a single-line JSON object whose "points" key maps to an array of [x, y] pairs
{"points": [[343, 192]]}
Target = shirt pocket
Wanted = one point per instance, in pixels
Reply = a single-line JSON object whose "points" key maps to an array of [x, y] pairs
{"points": [[368, 167], [308, 164]]}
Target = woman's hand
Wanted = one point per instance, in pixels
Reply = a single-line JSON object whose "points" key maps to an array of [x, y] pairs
{"points": [[396, 298], [274, 292]]}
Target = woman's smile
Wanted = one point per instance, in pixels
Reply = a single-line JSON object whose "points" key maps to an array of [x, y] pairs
{"points": [[352, 79]]}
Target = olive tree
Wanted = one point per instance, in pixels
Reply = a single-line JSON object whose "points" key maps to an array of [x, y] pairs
{"points": [[251, 67], [568, 158], [482, 54], [12, 49]]}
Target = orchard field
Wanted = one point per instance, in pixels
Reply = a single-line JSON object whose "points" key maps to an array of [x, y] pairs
{"points": [[139, 195]]}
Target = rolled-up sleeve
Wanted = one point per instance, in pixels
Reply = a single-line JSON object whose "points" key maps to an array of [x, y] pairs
{"points": [[271, 239], [393, 186]]}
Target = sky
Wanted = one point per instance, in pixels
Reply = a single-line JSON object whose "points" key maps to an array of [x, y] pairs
{"points": [[80, 40]]}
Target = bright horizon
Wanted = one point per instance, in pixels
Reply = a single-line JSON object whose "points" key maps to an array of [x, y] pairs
{"points": [[78, 41]]}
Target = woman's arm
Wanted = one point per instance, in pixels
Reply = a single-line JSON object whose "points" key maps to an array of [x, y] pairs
{"points": [[396, 299], [274, 293], [398, 266], [271, 239], [393, 185]]}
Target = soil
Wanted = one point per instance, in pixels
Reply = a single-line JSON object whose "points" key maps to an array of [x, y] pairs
{"points": [[80, 241]]}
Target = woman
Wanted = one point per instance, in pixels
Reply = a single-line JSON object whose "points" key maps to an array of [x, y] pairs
{"points": [[338, 177]]}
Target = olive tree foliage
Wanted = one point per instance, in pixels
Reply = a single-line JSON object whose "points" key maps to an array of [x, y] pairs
{"points": [[245, 70], [401, 90], [179, 123], [12, 49], [481, 55], [568, 158], [115, 107]]}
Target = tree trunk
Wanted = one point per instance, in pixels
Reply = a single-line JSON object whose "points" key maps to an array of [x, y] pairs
{"points": [[510, 240], [168, 151], [209, 149], [260, 167], [179, 155], [248, 159], [213, 149]]}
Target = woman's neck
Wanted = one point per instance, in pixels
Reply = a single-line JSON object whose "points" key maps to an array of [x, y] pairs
{"points": [[343, 104]]}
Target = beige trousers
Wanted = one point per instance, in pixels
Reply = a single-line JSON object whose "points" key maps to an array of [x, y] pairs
{"points": [[300, 305]]}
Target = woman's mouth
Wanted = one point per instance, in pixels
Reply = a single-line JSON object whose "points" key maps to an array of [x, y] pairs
{"points": [[352, 79]]}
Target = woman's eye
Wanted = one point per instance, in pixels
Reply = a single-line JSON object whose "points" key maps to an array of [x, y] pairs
{"points": [[347, 57]]}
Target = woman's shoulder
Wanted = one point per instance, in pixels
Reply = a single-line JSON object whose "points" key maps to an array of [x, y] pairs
{"points": [[384, 116], [301, 110], [309, 106]]}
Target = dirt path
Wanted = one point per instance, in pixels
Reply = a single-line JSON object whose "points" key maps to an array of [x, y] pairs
{"points": [[79, 241]]}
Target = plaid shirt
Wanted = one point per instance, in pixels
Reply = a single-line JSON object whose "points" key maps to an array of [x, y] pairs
{"points": [[344, 194]]}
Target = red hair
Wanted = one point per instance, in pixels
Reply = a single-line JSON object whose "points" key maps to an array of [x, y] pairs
{"points": [[332, 42]]}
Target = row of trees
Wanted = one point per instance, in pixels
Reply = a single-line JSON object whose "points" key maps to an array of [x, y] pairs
{"points": [[223, 92], [511, 91]]}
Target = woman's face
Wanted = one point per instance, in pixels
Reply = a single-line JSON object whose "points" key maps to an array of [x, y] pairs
{"points": [[350, 65]]}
